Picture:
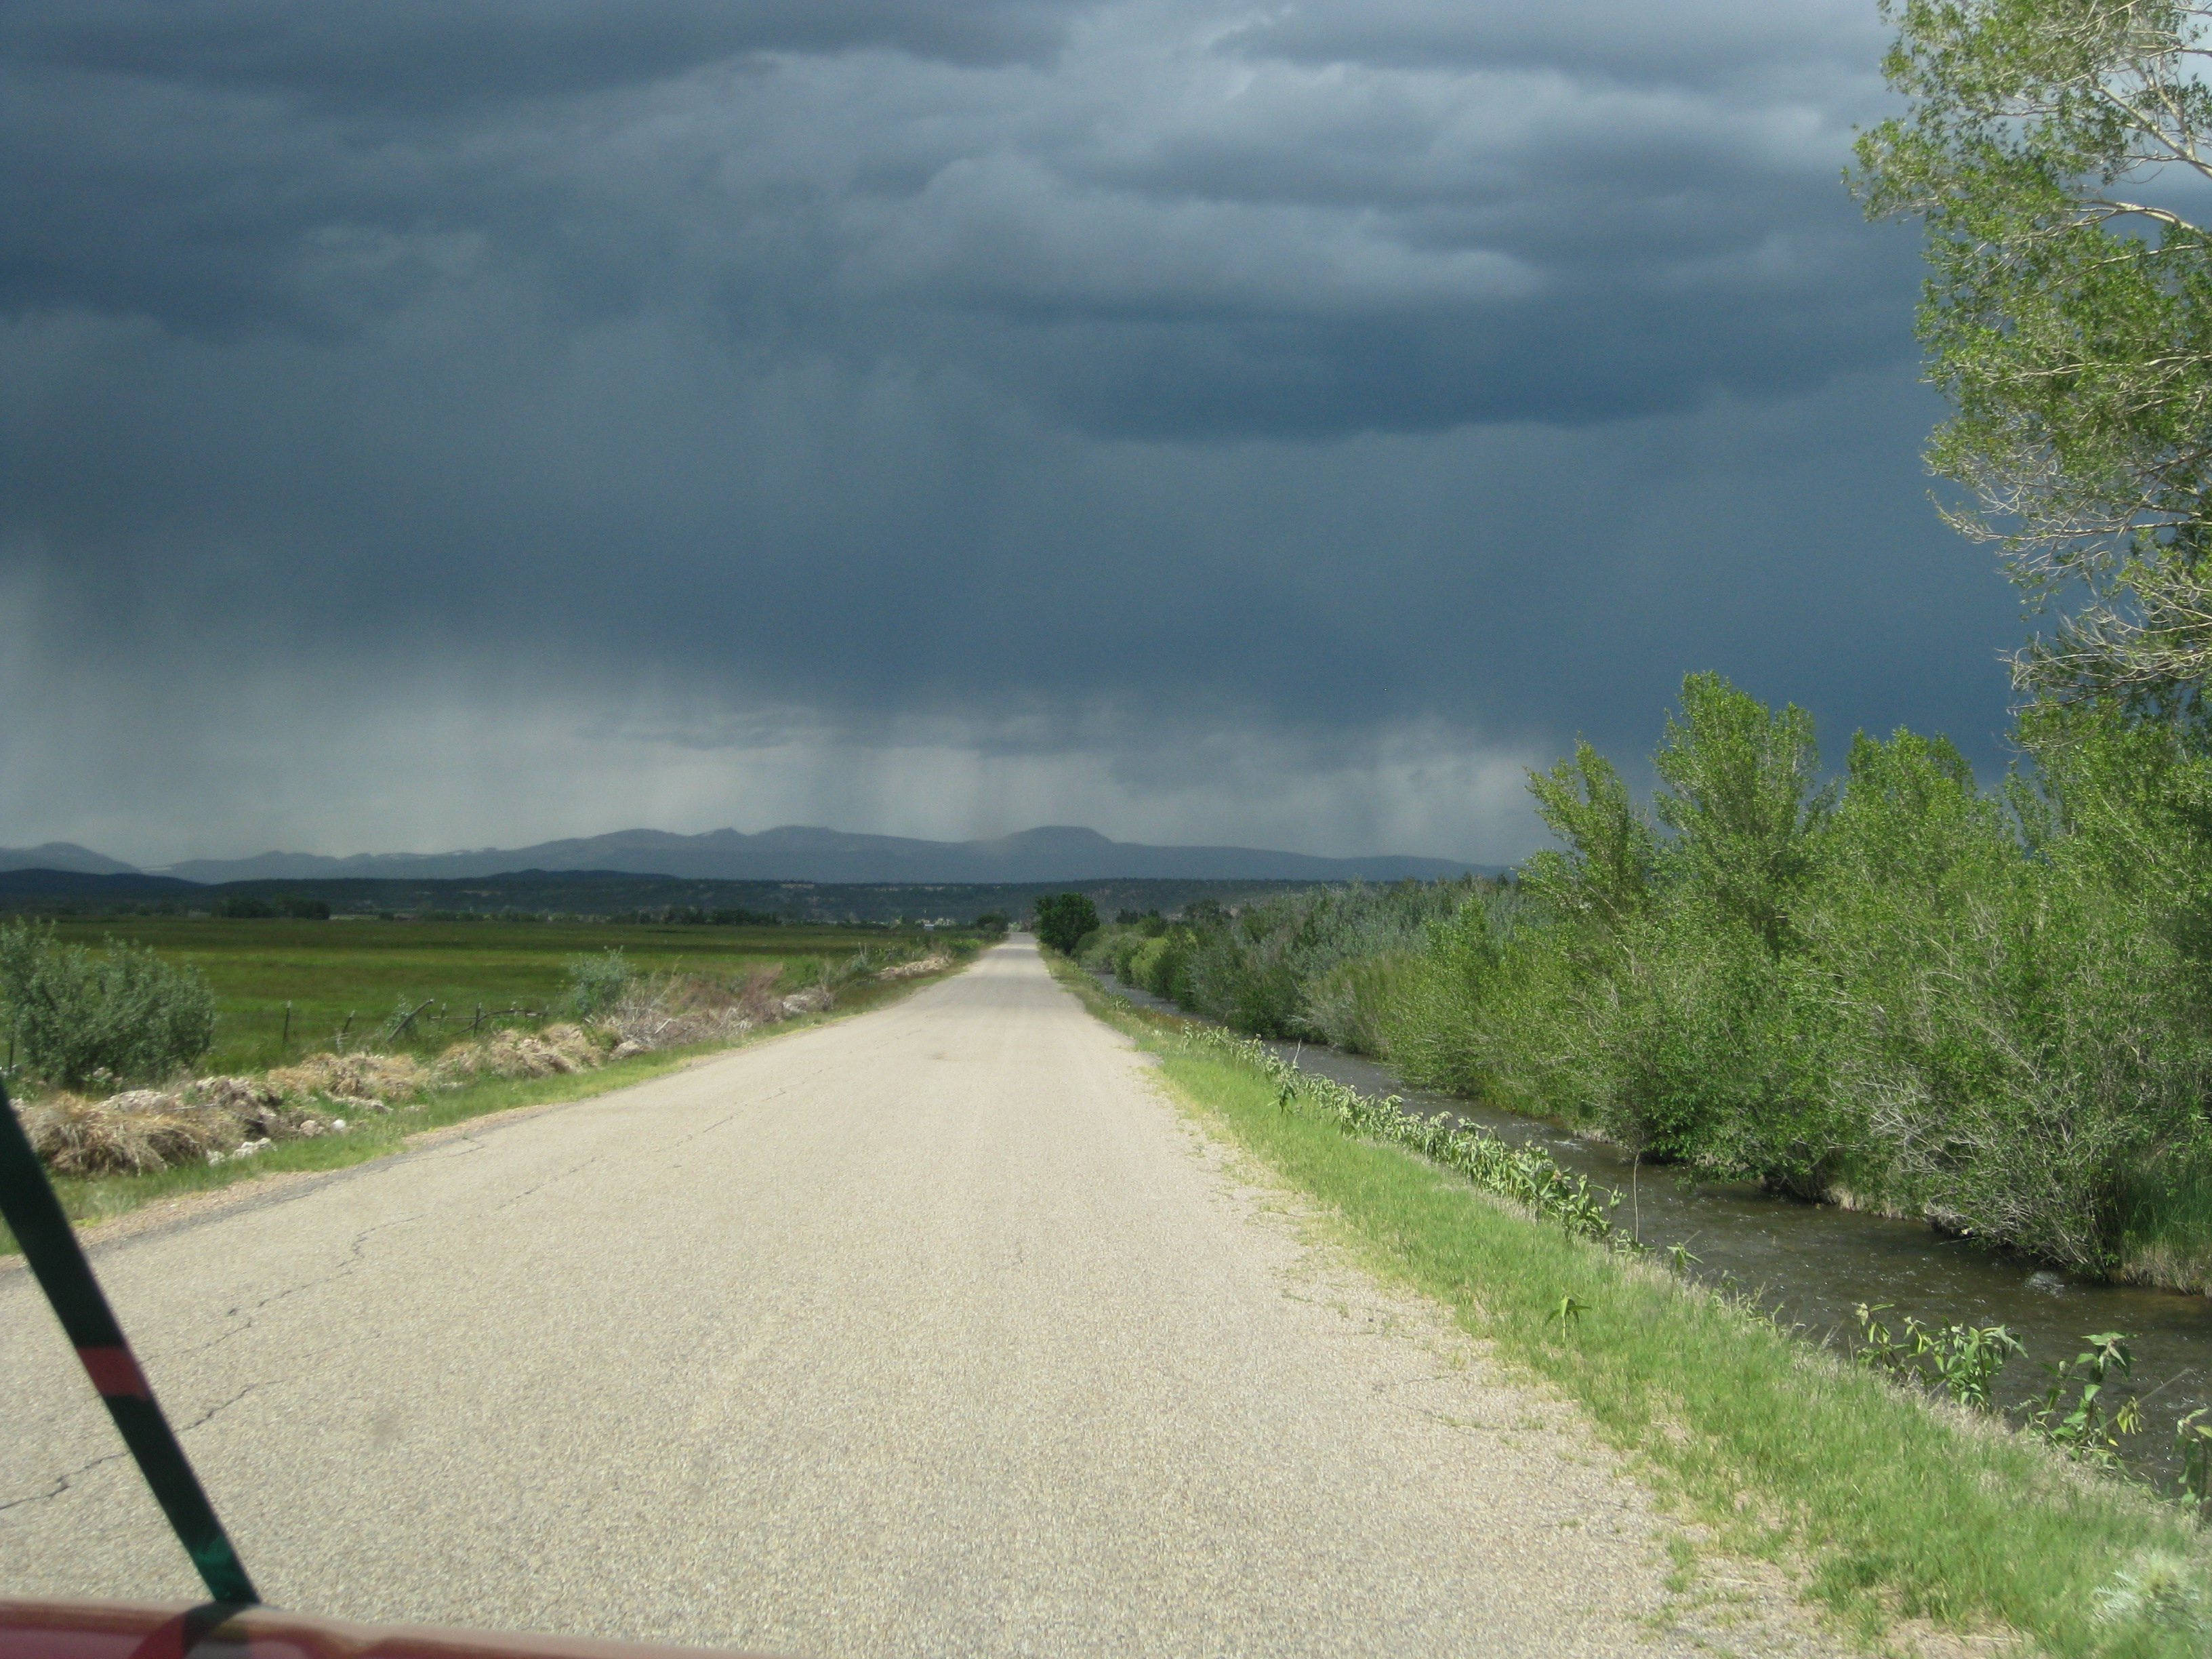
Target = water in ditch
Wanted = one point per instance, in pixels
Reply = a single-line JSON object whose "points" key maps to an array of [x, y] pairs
{"points": [[1812, 1265]]}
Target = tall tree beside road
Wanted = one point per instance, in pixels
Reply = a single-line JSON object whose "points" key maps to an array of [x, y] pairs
{"points": [[1062, 920], [2056, 150]]}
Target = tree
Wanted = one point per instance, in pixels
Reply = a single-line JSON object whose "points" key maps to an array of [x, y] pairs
{"points": [[1740, 798], [1605, 874], [2066, 317], [1062, 920]]}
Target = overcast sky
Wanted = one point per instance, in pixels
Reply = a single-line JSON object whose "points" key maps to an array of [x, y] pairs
{"points": [[448, 422]]}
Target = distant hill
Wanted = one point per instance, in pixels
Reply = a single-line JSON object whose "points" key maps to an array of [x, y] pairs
{"points": [[96, 887], [603, 893], [796, 853], [63, 856]]}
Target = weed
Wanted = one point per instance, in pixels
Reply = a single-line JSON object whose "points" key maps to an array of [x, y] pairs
{"points": [[2076, 1415], [1961, 1360], [1527, 1174], [77, 1017], [1964, 1360], [597, 981], [2157, 1591], [1567, 1315], [2193, 1441]]}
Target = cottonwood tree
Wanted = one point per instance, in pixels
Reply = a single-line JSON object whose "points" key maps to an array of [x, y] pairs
{"points": [[2056, 151], [1062, 920]]}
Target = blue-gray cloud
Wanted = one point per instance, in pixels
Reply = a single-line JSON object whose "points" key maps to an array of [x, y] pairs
{"points": [[1097, 378]]}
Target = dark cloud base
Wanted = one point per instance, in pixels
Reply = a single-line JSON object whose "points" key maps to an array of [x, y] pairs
{"points": [[1056, 410]]}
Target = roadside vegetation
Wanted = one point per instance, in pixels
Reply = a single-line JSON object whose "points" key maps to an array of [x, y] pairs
{"points": [[1888, 1503], [285, 988], [112, 1081], [1894, 990]]}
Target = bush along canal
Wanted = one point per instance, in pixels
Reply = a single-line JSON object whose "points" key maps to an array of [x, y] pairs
{"points": [[1812, 1268]]}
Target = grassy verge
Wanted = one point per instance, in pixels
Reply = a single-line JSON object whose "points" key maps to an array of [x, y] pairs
{"points": [[1887, 1507], [90, 1199]]}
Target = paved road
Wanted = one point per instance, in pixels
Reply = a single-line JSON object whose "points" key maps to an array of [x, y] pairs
{"points": [[935, 1331]]}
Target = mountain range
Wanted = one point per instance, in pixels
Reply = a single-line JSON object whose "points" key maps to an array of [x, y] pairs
{"points": [[793, 853]]}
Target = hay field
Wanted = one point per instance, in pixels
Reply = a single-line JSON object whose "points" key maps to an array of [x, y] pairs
{"points": [[328, 970]]}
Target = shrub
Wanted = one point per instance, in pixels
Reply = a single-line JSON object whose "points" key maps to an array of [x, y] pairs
{"points": [[598, 982], [76, 1017], [1349, 1005]]}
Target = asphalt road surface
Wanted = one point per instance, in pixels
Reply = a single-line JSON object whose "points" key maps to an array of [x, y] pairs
{"points": [[937, 1331]]}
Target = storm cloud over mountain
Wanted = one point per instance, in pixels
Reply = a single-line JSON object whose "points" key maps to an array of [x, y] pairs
{"points": [[440, 424]]}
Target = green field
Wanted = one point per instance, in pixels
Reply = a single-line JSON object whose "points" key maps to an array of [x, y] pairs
{"points": [[328, 970]]}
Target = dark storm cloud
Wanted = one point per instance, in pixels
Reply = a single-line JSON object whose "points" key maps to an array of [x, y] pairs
{"points": [[1167, 228], [404, 55], [1711, 44], [1068, 378]]}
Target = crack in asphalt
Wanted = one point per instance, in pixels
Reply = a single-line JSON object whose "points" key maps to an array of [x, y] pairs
{"points": [[353, 1258], [242, 1317], [735, 1113], [217, 1409], [513, 1199], [62, 1483]]}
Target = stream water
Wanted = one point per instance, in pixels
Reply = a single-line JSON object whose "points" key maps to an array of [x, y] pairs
{"points": [[1812, 1265]]}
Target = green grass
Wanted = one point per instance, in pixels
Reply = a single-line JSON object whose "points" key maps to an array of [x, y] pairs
{"points": [[1884, 1506], [328, 970], [2165, 1221], [90, 1199]]}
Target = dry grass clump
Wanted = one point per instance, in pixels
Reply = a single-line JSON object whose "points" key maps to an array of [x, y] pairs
{"points": [[129, 1134], [666, 1010], [361, 1076], [556, 1049], [935, 961], [220, 1117]]}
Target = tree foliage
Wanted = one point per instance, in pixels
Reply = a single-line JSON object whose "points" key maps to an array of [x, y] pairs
{"points": [[2051, 147], [1062, 920]]}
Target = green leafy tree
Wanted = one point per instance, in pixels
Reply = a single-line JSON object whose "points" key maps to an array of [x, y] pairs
{"points": [[1062, 920], [2065, 318], [1741, 796], [1604, 875]]}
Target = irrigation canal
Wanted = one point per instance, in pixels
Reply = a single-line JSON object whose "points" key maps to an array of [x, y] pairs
{"points": [[1814, 1265]]}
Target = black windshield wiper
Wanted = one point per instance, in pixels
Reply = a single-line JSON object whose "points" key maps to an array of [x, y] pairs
{"points": [[33, 1214]]}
